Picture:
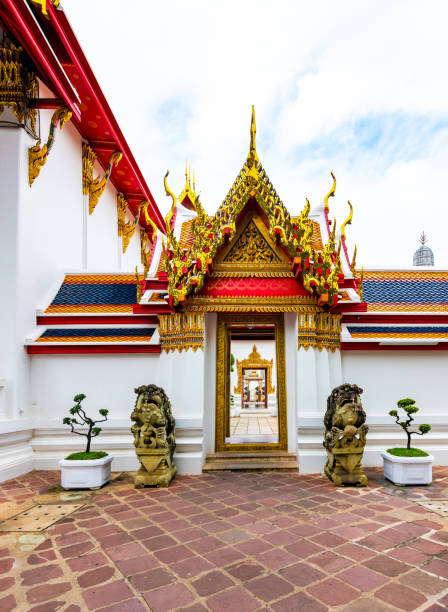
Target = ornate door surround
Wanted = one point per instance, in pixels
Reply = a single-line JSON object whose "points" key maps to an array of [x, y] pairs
{"points": [[223, 380]]}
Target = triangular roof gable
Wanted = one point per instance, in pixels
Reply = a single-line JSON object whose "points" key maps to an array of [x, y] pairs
{"points": [[319, 271], [251, 248]]}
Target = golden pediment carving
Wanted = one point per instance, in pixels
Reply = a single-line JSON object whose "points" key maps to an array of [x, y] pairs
{"points": [[251, 247]]}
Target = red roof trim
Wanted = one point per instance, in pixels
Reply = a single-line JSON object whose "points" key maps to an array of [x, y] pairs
{"points": [[84, 349]]}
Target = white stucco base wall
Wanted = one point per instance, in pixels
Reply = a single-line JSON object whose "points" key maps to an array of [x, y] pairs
{"points": [[385, 377], [108, 381]]}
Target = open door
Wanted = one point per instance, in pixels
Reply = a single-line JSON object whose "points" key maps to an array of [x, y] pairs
{"points": [[250, 383]]}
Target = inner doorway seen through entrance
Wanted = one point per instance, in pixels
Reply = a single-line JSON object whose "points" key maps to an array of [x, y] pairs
{"points": [[253, 408], [251, 388]]}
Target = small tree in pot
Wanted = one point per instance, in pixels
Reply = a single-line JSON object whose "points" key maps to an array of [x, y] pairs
{"points": [[408, 465], [409, 407], [87, 469], [78, 412]]}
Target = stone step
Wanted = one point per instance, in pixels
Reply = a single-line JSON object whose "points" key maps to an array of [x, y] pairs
{"points": [[269, 461]]}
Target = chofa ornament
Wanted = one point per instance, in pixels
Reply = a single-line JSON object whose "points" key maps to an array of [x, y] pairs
{"points": [[154, 441], [345, 436]]}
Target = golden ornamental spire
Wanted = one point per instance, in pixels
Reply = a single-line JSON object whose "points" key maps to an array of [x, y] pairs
{"points": [[253, 131], [348, 221], [252, 159], [330, 194]]}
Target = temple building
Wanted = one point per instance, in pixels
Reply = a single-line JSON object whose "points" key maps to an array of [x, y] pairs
{"points": [[247, 317]]}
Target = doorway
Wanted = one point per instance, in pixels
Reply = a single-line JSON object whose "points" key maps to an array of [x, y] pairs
{"points": [[250, 383]]}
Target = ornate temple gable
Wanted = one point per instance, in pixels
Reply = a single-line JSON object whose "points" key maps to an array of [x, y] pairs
{"points": [[252, 251], [316, 266]]}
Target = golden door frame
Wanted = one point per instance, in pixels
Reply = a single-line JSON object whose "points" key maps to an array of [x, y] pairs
{"points": [[223, 380]]}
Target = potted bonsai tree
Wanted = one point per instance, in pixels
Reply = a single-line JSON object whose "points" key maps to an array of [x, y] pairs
{"points": [[87, 469], [408, 465]]}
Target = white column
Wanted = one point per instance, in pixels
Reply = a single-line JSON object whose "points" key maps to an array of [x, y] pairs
{"points": [[306, 381], [291, 378], [335, 364], [323, 380]]}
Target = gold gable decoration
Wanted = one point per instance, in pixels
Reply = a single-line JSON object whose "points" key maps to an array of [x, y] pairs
{"points": [[254, 361], [317, 329], [251, 247], [180, 332], [318, 269]]}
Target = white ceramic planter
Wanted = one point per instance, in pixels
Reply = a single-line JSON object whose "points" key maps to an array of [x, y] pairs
{"points": [[85, 474], [408, 470]]}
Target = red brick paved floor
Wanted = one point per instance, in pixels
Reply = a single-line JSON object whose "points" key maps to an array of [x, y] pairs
{"points": [[232, 541]]}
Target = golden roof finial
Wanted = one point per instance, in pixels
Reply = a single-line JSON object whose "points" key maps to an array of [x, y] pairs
{"points": [[194, 183], [330, 194], [423, 238], [348, 221], [253, 131]]}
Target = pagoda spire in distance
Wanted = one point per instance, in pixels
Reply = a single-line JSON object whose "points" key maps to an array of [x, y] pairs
{"points": [[423, 256]]}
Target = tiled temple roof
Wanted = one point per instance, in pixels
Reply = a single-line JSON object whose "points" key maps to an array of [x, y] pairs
{"points": [[90, 334], [406, 291], [398, 331], [89, 293]]}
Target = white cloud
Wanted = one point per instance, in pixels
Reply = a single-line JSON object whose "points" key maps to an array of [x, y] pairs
{"points": [[181, 77]]}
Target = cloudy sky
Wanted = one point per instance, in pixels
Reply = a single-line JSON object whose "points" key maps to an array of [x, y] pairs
{"points": [[359, 88]]}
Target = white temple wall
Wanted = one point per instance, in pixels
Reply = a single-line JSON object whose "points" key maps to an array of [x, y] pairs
{"points": [[108, 381], [42, 236], [386, 377]]}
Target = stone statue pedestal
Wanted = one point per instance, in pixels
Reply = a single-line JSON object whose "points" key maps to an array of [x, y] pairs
{"points": [[344, 467], [157, 468]]}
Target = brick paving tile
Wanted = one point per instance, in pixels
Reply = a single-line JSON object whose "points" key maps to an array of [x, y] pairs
{"points": [[330, 562], [269, 587], [333, 592], [253, 547], [95, 576], [424, 582], [77, 549], [301, 574], [191, 567], [111, 593], [246, 570], [376, 542], [400, 596], [130, 605], [6, 565], [168, 597], [368, 605], [354, 552], [435, 608], [386, 565], [44, 592], [426, 546], [362, 578], [40, 574], [233, 536], [277, 558], [197, 607], [299, 602], [152, 579], [437, 567], [159, 542], [329, 540], [205, 545], [87, 562], [303, 548], [236, 599], [8, 603], [409, 555], [49, 606], [224, 556], [212, 583], [174, 554], [6, 583], [126, 551]]}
